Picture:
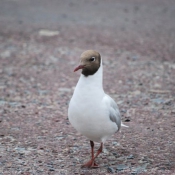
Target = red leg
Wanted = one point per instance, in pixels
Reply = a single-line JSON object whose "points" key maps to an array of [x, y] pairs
{"points": [[92, 149], [91, 163], [99, 150]]}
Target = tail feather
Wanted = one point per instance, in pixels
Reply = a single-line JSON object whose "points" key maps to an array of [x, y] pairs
{"points": [[124, 125]]}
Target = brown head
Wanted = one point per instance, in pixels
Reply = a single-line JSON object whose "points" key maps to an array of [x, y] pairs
{"points": [[90, 61]]}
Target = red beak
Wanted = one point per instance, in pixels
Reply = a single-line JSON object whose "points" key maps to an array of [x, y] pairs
{"points": [[79, 67]]}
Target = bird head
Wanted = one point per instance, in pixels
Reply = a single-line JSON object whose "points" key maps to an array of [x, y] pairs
{"points": [[90, 61]]}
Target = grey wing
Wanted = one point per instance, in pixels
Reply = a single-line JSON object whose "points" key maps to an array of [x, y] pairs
{"points": [[114, 113]]}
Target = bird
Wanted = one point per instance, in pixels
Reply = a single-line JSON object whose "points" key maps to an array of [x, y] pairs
{"points": [[91, 111]]}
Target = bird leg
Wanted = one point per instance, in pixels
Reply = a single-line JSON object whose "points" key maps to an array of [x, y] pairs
{"points": [[91, 163], [99, 150]]}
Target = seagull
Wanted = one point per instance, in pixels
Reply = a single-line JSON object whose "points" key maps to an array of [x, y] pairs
{"points": [[91, 111]]}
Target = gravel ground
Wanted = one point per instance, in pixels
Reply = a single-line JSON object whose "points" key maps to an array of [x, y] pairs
{"points": [[40, 44]]}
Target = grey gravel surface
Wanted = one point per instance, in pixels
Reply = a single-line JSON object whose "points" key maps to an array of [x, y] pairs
{"points": [[40, 44]]}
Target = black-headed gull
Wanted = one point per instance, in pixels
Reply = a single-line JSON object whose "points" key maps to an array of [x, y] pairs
{"points": [[91, 111]]}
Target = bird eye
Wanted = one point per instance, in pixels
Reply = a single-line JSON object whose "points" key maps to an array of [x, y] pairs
{"points": [[92, 59]]}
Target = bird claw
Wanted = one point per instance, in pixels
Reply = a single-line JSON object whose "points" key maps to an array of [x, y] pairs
{"points": [[90, 164]]}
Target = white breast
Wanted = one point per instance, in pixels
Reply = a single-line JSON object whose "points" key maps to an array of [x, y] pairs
{"points": [[88, 112]]}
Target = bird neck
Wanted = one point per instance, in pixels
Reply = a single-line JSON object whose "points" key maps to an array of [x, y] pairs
{"points": [[94, 81]]}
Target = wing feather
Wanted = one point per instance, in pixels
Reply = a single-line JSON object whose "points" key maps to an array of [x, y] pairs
{"points": [[114, 113]]}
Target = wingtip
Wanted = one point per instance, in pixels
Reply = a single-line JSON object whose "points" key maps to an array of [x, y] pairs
{"points": [[124, 125]]}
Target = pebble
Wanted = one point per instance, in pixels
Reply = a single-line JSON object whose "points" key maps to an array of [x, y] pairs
{"points": [[111, 157], [22, 151], [127, 120], [158, 100], [115, 143], [43, 92], [168, 102], [139, 169], [2, 102], [135, 93], [130, 157], [115, 154], [51, 169], [64, 89], [49, 33], [134, 58], [121, 167], [5, 54], [110, 170], [173, 112]]}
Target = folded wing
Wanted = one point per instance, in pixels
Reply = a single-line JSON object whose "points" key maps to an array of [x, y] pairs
{"points": [[114, 113]]}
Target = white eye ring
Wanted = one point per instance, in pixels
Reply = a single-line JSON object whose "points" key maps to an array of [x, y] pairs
{"points": [[92, 59]]}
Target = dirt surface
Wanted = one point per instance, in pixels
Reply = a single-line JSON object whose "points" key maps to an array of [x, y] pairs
{"points": [[40, 45]]}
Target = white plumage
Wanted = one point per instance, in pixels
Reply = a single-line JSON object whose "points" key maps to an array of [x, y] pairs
{"points": [[91, 111]]}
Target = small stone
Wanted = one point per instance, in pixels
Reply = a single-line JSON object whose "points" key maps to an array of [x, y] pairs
{"points": [[48, 33], [158, 100], [115, 154], [158, 91], [5, 54], [51, 169], [110, 170], [121, 167], [173, 112], [115, 143], [111, 158], [127, 120], [14, 104], [105, 151], [168, 102], [64, 89], [21, 151], [134, 58], [40, 152], [43, 92], [123, 110], [136, 93], [156, 85], [2, 102], [130, 157], [139, 169], [8, 165]]}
